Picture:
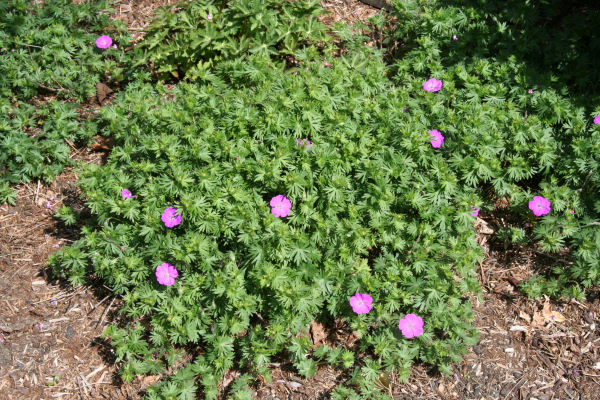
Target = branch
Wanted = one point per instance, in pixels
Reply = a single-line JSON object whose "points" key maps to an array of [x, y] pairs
{"points": [[379, 4]]}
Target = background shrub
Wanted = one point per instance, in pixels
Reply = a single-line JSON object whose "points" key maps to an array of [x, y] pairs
{"points": [[192, 40], [48, 61], [518, 107]]}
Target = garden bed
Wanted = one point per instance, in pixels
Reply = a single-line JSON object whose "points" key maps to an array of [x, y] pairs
{"points": [[50, 332]]}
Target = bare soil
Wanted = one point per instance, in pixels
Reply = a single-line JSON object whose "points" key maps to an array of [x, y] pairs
{"points": [[51, 348]]}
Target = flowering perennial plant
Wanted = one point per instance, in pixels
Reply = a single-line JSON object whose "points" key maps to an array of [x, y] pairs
{"points": [[249, 284], [539, 206], [436, 138], [166, 274], [361, 303], [104, 42], [411, 326], [432, 85], [171, 217]]}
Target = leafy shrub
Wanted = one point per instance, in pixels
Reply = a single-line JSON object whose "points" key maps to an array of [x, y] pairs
{"points": [[202, 33], [49, 50], [374, 209], [33, 139], [513, 129]]}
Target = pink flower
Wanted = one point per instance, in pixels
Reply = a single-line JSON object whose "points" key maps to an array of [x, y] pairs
{"points": [[327, 64], [475, 212], [597, 119], [454, 37], [281, 206], [126, 194], [49, 205], [432, 85], [166, 274], [436, 138], [103, 42], [209, 16], [572, 211], [411, 326], [170, 217], [530, 91], [539, 205], [361, 303], [303, 142]]}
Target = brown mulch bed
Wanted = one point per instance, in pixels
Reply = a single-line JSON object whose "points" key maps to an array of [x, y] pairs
{"points": [[50, 343]]}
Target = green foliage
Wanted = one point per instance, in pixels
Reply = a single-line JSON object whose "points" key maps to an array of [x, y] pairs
{"points": [[67, 215], [202, 33], [48, 56], [375, 208], [501, 138], [373, 211], [50, 48]]}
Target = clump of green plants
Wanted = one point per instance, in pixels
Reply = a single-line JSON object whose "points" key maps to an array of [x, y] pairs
{"points": [[49, 60], [189, 41], [233, 216], [50, 49], [516, 126]]}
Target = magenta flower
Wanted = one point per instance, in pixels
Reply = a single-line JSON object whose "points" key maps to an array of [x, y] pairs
{"points": [[281, 206], [103, 42], [411, 326], [49, 205], [597, 119], [327, 64], [361, 303], [436, 138], [303, 142], [166, 274], [432, 85], [475, 212], [572, 211], [454, 37], [170, 217], [126, 194], [530, 91], [539, 205]]}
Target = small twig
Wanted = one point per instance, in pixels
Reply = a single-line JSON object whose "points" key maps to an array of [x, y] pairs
{"points": [[105, 312], [415, 243], [96, 306], [36, 192], [29, 45], [50, 89]]}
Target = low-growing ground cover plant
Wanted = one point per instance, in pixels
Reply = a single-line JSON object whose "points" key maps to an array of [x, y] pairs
{"points": [[49, 50], [272, 234], [259, 199], [512, 128]]}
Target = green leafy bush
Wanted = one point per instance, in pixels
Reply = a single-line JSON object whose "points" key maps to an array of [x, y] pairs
{"points": [[374, 209], [513, 129], [199, 34], [48, 50]]}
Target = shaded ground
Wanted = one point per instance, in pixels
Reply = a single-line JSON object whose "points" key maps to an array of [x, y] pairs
{"points": [[50, 345]]}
